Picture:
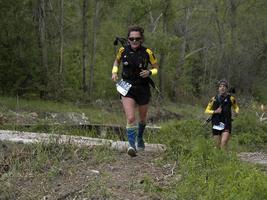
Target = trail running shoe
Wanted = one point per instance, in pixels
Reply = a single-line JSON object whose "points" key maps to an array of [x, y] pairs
{"points": [[141, 145], [131, 152], [141, 148]]}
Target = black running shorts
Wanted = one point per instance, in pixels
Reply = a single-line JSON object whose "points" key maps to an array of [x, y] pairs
{"points": [[228, 128], [140, 93]]}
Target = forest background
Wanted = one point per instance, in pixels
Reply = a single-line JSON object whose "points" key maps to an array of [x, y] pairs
{"points": [[63, 50], [56, 59]]}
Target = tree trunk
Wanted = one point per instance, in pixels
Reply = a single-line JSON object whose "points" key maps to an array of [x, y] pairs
{"points": [[205, 64], [220, 66], [94, 45], [61, 36], [85, 44], [181, 59], [30, 137], [43, 44], [232, 55], [163, 53]]}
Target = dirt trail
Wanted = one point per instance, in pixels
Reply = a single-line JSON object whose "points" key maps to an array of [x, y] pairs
{"points": [[121, 179], [254, 157]]}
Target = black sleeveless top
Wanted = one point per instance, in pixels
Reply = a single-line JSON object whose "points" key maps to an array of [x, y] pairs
{"points": [[226, 115]]}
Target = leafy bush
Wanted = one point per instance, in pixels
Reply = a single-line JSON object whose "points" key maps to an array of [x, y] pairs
{"points": [[180, 136], [250, 131]]}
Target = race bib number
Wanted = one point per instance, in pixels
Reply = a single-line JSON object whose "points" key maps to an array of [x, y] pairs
{"points": [[219, 127], [123, 87]]}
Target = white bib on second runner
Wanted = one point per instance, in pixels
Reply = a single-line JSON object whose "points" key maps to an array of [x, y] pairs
{"points": [[123, 87], [219, 127]]}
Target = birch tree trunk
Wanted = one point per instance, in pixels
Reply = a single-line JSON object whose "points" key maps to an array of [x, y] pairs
{"points": [[153, 22]]}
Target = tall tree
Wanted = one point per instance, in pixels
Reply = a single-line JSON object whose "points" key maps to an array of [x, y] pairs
{"points": [[181, 59], [94, 46], [85, 44], [163, 52], [41, 16], [61, 36]]}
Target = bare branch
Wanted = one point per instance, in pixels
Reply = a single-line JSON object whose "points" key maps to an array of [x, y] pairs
{"points": [[194, 52]]}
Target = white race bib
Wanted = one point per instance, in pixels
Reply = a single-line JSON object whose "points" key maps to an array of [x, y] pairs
{"points": [[123, 87], [219, 127]]}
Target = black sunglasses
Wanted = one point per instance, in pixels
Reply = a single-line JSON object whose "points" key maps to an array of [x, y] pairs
{"points": [[137, 39]]}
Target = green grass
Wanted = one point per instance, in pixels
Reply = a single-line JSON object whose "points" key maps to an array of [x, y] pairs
{"points": [[205, 172], [49, 162], [208, 173], [95, 112], [37, 105]]}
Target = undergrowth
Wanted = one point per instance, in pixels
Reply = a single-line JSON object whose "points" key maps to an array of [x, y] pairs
{"points": [[207, 172]]}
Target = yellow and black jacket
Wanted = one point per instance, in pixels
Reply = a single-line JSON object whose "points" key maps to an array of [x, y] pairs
{"points": [[135, 61], [226, 104]]}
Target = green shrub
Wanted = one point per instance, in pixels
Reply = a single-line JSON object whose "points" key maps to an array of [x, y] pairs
{"points": [[250, 131]]}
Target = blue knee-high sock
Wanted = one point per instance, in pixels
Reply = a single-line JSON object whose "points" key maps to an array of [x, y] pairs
{"points": [[131, 136], [141, 129]]}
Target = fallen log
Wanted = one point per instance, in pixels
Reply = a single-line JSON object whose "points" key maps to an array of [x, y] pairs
{"points": [[30, 137], [100, 129]]}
